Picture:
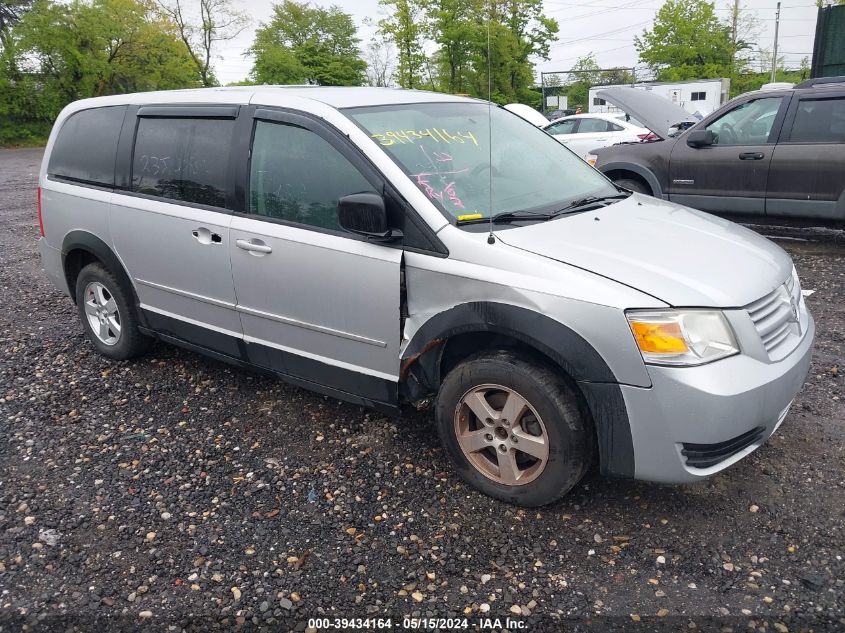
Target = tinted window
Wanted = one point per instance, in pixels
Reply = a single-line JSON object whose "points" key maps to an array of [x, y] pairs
{"points": [[699, 96], [298, 176], [747, 124], [819, 121], [614, 128], [591, 126], [86, 146], [183, 159]]}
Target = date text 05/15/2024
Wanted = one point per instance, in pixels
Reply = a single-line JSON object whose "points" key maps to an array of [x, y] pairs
{"points": [[386, 624]]}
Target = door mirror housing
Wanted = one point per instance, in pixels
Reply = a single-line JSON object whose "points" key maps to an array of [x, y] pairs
{"points": [[700, 138], [365, 214]]}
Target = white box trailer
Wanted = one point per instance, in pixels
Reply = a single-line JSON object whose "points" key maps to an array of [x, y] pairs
{"points": [[699, 97]]}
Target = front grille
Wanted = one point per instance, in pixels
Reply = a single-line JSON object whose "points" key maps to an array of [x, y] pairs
{"points": [[775, 318], [706, 455]]}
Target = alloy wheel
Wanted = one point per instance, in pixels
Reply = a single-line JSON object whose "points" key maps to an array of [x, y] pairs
{"points": [[501, 435], [102, 313]]}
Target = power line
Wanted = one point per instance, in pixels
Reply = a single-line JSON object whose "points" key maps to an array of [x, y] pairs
{"points": [[612, 32]]}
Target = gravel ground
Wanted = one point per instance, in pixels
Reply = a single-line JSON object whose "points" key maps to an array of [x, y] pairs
{"points": [[176, 492]]}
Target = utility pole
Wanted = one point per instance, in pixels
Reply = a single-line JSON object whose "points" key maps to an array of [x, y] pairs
{"points": [[775, 49]]}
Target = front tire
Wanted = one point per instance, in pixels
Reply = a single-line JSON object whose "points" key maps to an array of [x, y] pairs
{"points": [[108, 314], [513, 428]]}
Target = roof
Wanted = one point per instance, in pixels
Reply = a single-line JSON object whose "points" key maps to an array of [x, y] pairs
{"points": [[334, 96], [351, 97]]}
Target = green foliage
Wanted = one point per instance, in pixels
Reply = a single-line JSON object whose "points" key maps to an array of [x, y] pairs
{"points": [[62, 52], [517, 32], [406, 27], [586, 73], [305, 44], [687, 41], [23, 133]]}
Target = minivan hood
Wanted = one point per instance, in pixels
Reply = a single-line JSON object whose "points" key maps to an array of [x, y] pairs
{"points": [[678, 255], [655, 112]]}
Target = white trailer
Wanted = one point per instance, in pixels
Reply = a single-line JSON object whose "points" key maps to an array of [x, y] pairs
{"points": [[699, 97]]}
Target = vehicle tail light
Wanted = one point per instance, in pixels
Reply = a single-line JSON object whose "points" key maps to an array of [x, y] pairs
{"points": [[651, 136], [40, 219]]}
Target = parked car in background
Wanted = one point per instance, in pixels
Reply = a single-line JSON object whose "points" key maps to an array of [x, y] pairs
{"points": [[778, 152], [556, 114], [528, 113], [585, 132]]}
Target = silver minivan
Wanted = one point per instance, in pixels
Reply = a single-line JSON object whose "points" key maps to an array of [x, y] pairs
{"points": [[392, 247]]}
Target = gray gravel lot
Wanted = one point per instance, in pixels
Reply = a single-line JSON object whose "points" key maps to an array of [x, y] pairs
{"points": [[176, 491]]}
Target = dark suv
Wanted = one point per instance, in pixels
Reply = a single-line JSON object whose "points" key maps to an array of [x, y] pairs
{"points": [[775, 152]]}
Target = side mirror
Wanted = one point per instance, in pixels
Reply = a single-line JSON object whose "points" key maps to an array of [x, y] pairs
{"points": [[700, 138], [364, 214]]}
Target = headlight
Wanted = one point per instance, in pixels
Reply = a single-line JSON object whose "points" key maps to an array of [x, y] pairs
{"points": [[682, 337]]}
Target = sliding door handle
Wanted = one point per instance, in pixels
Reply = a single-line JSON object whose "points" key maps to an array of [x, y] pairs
{"points": [[254, 245], [751, 156]]}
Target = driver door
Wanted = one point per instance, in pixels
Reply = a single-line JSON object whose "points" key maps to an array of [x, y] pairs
{"points": [[729, 176]]}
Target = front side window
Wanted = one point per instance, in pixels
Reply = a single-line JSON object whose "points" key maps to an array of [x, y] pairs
{"points": [[563, 127], [298, 176], [819, 121], [747, 124], [446, 151], [86, 146], [183, 159]]}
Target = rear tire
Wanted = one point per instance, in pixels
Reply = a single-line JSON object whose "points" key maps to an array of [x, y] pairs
{"points": [[108, 314], [633, 185], [532, 459]]}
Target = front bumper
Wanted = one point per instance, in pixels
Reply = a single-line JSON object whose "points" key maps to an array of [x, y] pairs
{"points": [[706, 407]]}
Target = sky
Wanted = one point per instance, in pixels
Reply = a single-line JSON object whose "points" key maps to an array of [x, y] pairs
{"points": [[603, 27]]}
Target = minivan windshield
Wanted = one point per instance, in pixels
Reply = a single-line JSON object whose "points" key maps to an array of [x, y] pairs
{"points": [[445, 150]]}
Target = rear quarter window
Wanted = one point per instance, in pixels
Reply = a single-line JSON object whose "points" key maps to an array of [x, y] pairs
{"points": [[86, 146], [184, 159]]}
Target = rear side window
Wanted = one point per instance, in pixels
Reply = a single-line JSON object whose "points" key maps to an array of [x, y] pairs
{"points": [[591, 126], [819, 121], [183, 159], [86, 146]]}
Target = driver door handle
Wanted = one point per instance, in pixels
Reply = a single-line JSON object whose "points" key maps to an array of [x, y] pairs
{"points": [[254, 245], [751, 156]]}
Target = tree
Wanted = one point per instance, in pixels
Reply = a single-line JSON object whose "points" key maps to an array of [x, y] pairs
{"points": [[406, 29], [218, 22], [687, 41], [83, 49], [744, 29], [457, 27], [381, 70], [304, 44], [11, 12]]}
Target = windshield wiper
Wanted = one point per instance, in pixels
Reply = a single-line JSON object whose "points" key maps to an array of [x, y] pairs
{"points": [[509, 216], [588, 202]]}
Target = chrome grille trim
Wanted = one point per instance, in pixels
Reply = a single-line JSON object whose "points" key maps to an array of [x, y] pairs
{"points": [[774, 319]]}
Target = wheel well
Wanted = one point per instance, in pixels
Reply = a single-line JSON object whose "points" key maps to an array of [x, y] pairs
{"points": [[618, 174], [428, 370], [459, 347], [75, 261]]}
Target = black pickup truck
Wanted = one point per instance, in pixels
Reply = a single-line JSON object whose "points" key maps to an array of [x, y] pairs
{"points": [[778, 152]]}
